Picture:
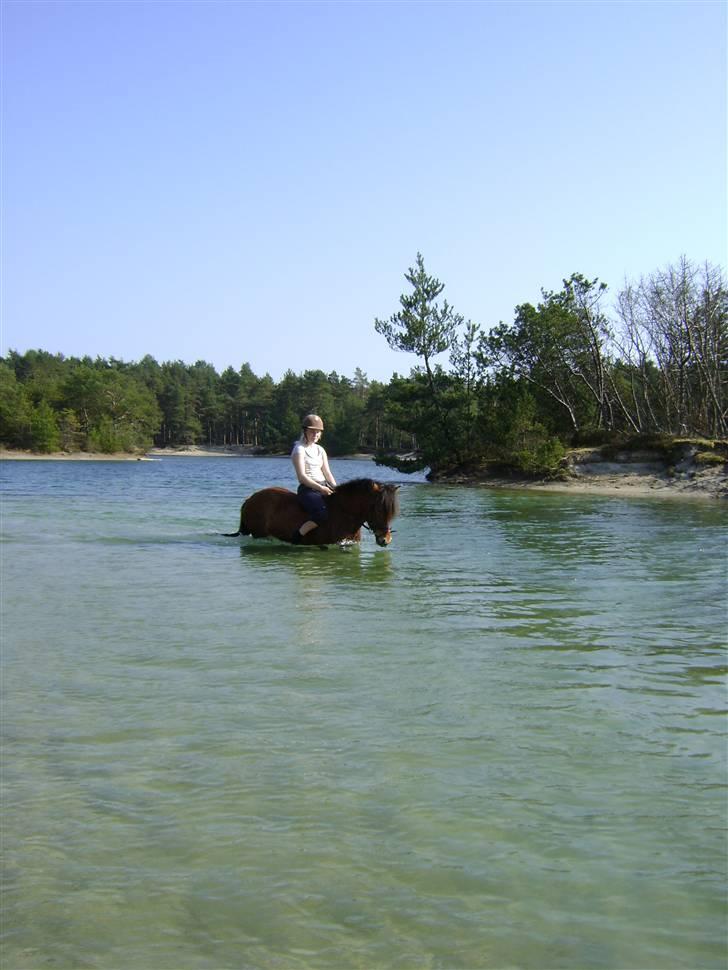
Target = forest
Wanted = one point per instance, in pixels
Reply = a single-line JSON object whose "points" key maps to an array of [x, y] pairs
{"points": [[580, 367]]}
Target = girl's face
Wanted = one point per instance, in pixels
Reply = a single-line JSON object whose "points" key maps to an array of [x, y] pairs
{"points": [[312, 434]]}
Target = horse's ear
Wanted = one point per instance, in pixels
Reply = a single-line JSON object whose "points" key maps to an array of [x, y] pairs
{"points": [[376, 487]]}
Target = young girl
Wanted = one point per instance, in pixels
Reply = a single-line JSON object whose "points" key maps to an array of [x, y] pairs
{"points": [[314, 475]]}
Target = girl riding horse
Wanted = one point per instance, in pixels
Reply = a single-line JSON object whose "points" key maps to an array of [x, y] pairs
{"points": [[316, 480]]}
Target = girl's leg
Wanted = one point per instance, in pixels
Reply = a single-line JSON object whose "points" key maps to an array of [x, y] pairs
{"points": [[305, 529], [314, 505]]}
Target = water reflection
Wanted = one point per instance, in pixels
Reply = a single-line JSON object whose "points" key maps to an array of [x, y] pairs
{"points": [[342, 565]]}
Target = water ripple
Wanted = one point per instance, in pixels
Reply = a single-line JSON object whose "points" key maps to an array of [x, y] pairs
{"points": [[499, 742]]}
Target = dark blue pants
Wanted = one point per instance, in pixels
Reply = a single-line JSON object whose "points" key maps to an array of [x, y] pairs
{"points": [[313, 504]]}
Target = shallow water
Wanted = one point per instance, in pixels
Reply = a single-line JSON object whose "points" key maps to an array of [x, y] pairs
{"points": [[498, 743]]}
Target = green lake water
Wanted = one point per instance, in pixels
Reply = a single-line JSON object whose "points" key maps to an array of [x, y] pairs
{"points": [[499, 743]]}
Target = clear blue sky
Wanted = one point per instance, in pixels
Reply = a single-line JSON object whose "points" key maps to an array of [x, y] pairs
{"points": [[244, 181]]}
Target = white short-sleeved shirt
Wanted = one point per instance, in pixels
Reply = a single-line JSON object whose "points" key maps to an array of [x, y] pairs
{"points": [[313, 460]]}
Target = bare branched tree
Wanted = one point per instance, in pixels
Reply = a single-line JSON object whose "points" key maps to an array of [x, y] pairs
{"points": [[673, 337]]}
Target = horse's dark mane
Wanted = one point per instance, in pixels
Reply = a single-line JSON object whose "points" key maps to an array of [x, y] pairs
{"points": [[386, 496], [354, 486]]}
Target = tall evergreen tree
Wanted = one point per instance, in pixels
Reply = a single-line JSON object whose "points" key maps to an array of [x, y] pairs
{"points": [[423, 326]]}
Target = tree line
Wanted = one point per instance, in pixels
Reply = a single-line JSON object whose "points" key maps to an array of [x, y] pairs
{"points": [[571, 369], [49, 402]]}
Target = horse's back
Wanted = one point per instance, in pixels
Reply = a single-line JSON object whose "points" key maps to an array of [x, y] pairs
{"points": [[271, 512]]}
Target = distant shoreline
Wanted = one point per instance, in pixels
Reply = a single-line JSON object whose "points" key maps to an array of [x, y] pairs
{"points": [[154, 454], [13, 455], [611, 479]]}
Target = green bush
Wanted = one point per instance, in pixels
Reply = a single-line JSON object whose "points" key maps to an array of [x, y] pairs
{"points": [[709, 458], [43, 429], [543, 460]]}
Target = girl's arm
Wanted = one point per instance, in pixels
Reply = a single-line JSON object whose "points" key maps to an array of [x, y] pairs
{"points": [[327, 471]]}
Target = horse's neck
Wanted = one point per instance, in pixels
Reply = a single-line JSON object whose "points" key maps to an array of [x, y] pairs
{"points": [[354, 516]]}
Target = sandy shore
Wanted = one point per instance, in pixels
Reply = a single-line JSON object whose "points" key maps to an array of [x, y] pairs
{"points": [[710, 486], [153, 453], [194, 451], [11, 455], [204, 451], [627, 478], [604, 478]]}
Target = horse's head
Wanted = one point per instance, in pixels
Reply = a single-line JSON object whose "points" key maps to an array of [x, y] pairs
{"points": [[383, 508], [371, 503]]}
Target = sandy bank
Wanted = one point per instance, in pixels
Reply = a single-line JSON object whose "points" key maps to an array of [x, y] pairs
{"points": [[203, 451], [636, 485], [231, 451], [12, 455], [193, 451], [587, 472]]}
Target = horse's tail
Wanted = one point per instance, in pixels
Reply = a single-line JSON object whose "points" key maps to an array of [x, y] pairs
{"points": [[243, 530]]}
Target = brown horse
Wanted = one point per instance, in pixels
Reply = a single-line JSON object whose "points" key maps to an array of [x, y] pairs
{"points": [[276, 513]]}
